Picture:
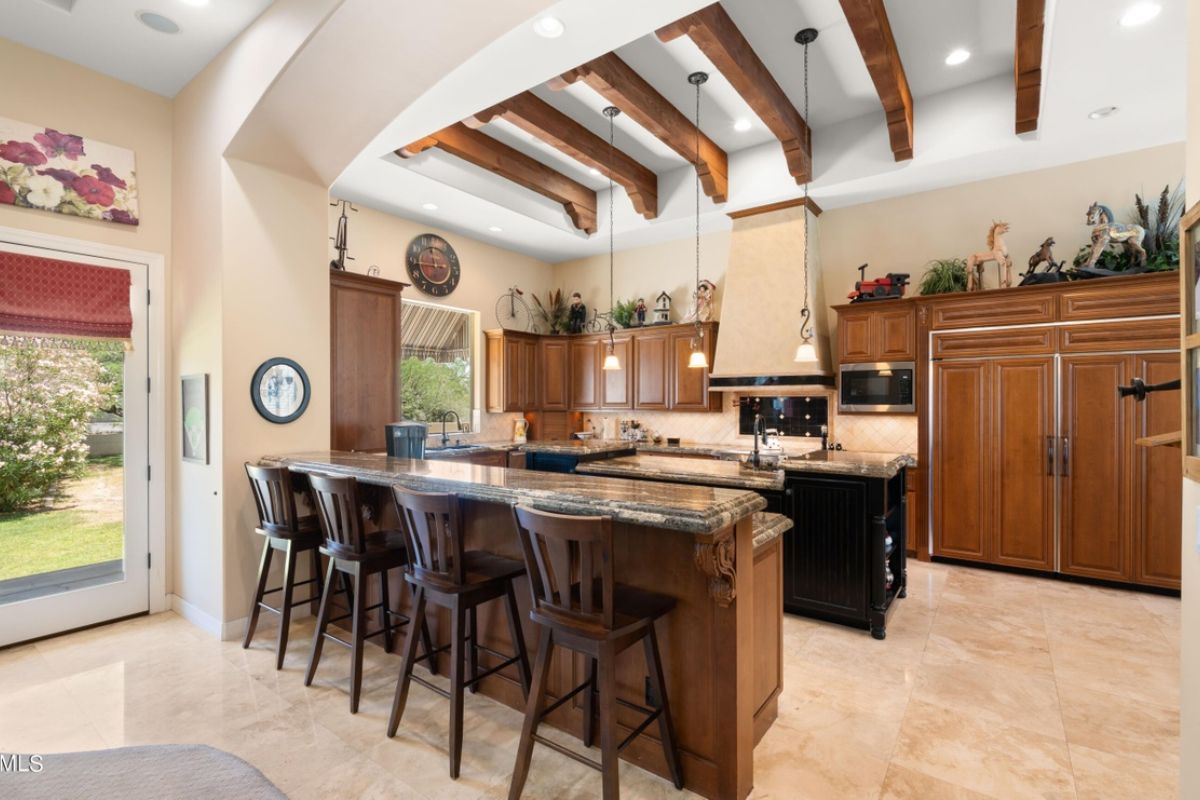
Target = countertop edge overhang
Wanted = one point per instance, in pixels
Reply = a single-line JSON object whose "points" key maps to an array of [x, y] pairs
{"points": [[679, 507]]}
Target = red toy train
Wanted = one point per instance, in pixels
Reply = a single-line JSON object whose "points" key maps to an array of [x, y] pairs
{"points": [[889, 286]]}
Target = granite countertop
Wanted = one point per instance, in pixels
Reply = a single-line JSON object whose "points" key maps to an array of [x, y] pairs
{"points": [[847, 462], [704, 471], [573, 447], [690, 509], [768, 527]]}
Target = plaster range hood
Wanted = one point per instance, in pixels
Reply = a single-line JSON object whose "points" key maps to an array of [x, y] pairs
{"points": [[760, 310]]}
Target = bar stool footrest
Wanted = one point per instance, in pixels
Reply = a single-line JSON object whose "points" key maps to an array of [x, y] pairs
{"points": [[587, 762]]}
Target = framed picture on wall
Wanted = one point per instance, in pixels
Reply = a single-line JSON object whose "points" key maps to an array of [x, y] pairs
{"points": [[1189, 277], [194, 391]]}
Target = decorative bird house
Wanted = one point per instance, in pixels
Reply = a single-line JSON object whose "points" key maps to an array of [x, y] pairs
{"points": [[662, 309]]}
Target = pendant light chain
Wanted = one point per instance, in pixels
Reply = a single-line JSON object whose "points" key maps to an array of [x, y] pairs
{"points": [[697, 170], [806, 313], [611, 361]]}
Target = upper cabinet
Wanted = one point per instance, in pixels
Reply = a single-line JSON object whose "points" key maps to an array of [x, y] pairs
{"points": [[528, 372], [880, 331]]}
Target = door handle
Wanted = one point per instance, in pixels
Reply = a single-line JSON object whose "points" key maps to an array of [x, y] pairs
{"points": [[1049, 455], [1066, 455]]}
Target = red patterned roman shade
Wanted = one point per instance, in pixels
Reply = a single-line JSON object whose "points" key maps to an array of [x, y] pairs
{"points": [[64, 298]]}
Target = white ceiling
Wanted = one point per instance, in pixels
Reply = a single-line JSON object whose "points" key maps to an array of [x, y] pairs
{"points": [[964, 114], [106, 36]]}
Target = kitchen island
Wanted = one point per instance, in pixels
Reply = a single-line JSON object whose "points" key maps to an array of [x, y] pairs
{"points": [[721, 645]]}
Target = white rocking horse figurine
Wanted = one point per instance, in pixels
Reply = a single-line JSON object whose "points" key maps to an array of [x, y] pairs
{"points": [[1108, 231], [997, 251]]}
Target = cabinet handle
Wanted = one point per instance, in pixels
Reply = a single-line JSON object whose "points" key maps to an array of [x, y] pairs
{"points": [[1066, 456], [1049, 455]]}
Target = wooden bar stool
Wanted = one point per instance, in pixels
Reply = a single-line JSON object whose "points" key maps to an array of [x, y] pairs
{"points": [[356, 556], [442, 572], [291, 534], [578, 605]]}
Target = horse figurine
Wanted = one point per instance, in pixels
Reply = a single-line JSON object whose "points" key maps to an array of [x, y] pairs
{"points": [[997, 251], [1108, 231], [1044, 255]]}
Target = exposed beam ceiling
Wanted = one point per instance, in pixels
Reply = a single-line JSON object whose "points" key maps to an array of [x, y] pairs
{"points": [[869, 22], [537, 117], [1027, 62], [723, 44], [483, 151], [616, 81]]}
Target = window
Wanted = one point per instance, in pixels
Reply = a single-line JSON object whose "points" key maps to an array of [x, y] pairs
{"points": [[437, 364]]}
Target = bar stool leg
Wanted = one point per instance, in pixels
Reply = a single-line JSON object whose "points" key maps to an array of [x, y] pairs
{"points": [[357, 636], [322, 623], [264, 567], [458, 634], [473, 650], [385, 612], [427, 642], [318, 573], [589, 704], [518, 637], [285, 610], [666, 728], [609, 757], [409, 656], [533, 712]]}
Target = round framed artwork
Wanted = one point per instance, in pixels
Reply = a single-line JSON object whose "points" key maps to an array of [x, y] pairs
{"points": [[432, 265], [280, 390]]}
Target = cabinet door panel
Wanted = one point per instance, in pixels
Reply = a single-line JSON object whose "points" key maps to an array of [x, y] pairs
{"points": [[585, 374], [1157, 478], [365, 354], [855, 342], [1095, 468], [689, 387], [651, 369], [514, 375], [616, 385], [895, 335], [555, 378], [530, 375], [1023, 479], [961, 466]]}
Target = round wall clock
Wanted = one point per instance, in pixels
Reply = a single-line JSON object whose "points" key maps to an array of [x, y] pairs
{"points": [[432, 265]]}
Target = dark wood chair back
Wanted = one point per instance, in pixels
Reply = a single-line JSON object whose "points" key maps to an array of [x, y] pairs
{"points": [[432, 525], [570, 564], [336, 499], [274, 497]]}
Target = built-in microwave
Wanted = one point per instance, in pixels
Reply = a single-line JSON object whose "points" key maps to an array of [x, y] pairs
{"points": [[885, 387]]}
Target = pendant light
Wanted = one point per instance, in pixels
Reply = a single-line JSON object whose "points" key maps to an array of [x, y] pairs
{"points": [[806, 351], [611, 362], [698, 358]]}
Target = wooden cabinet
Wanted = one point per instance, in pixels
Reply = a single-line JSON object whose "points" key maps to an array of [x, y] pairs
{"points": [[689, 387], [1156, 477], [884, 331], [364, 326], [554, 368], [651, 370], [960, 471], [616, 385], [586, 378], [511, 372]]}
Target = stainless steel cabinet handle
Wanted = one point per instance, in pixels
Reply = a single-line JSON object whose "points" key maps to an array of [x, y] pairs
{"points": [[1066, 456], [1049, 455]]}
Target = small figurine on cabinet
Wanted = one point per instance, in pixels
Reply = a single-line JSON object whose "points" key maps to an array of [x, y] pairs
{"points": [[1109, 231], [997, 251], [640, 311], [702, 299], [662, 309], [577, 314], [891, 285], [1053, 272]]}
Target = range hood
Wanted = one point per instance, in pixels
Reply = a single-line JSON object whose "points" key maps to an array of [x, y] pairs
{"points": [[760, 310]]}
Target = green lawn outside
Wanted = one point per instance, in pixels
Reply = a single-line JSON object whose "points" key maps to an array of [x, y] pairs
{"points": [[83, 528]]}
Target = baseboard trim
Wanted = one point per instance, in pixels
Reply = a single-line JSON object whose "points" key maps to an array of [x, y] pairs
{"points": [[230, 631]]}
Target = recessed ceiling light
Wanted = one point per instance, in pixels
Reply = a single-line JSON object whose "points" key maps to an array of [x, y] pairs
{"points": [[548, 27], [157, 22], [429, 206], [1101, 113], [957, 56], [1140, 14], [196, 3], [594, 171], [742, 124], [495, 229]]}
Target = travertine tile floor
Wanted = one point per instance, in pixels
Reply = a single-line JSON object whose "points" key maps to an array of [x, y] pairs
{"points": [[988, 685]]}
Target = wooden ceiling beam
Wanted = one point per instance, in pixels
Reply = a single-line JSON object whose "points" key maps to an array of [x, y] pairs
{"points": [[483, 151], [535, 116], [1027, 63], [712, 30], [617, 83], [869, 23]]}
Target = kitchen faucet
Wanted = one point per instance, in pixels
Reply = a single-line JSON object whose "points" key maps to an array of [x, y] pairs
{"points": [[759, 424], [457, 420]]}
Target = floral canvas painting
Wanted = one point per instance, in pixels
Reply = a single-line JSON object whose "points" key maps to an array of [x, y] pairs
{"points": [[52, 170]]}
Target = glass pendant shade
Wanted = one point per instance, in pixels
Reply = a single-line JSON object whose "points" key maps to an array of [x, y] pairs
{"points": [[698, 360], [806, 353], [611, 361]]}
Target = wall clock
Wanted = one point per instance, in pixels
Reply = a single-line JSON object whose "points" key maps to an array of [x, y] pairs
{"points": [[432, 265]]}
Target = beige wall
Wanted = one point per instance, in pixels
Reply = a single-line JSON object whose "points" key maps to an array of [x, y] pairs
{"points": [[904, 233], [380, 239], [43, 90], [1189, 779]]}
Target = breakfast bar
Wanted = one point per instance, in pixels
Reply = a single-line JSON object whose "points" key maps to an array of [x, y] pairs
{"points": [[721, 645]]}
